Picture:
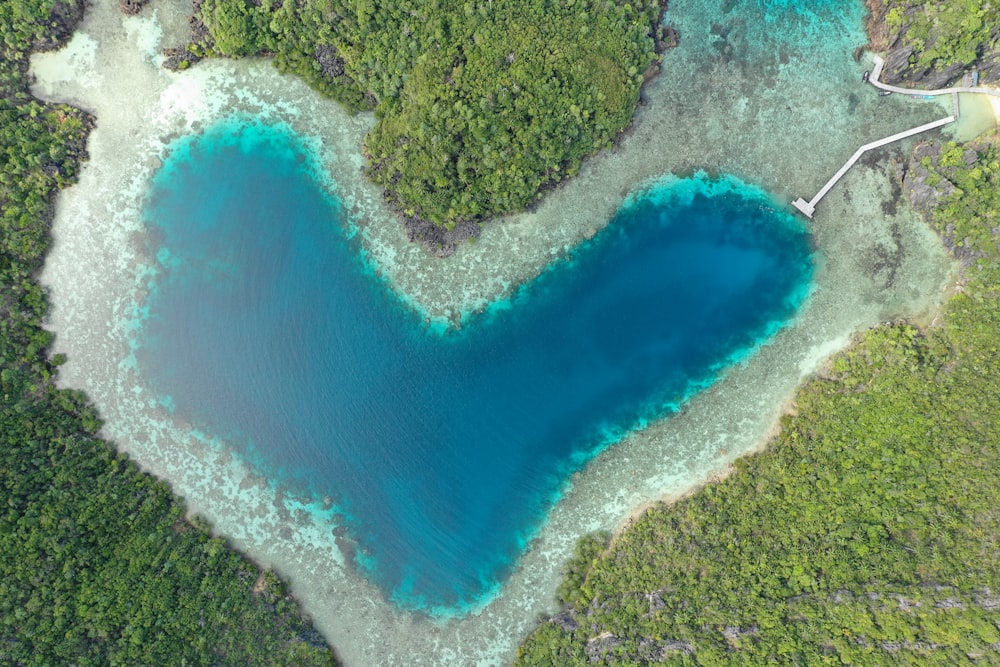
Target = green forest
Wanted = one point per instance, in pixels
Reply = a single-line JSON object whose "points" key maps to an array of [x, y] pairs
{"points": [[98, 563], [481, 106]]}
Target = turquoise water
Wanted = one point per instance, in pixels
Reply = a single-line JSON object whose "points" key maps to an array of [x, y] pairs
{"points": [[441, 451]]}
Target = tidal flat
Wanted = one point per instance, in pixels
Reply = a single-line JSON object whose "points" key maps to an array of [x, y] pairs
{"points": [[734, 98]]}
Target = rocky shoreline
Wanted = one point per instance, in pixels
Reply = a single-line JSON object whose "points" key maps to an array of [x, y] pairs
{"points": [[131, 7], [900, 53], [917, 177], [925, 190]]}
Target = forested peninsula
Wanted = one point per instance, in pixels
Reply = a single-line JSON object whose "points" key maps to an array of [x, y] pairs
{"points": [[480, 106], [867, 532], [99, 564]]}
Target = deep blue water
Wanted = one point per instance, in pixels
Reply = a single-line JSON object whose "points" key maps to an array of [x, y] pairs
{"points": [[442, 451]]}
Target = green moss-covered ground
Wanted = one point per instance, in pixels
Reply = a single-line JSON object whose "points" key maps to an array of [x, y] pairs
{"points": [[98, 564]]}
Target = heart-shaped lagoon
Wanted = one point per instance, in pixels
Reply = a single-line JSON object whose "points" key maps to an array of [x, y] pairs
{"points": [[442, 451]]}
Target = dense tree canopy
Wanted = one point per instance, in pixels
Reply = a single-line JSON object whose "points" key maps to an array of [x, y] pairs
{"points": [[944, 32], [866, 533], [480, 105]]}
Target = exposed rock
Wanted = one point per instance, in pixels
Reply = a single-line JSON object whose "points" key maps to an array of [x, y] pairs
{"points": [[63, 20], [733, 633], [330, 62], [437, 239], [923, 196], [895, 647], [988, 601], [875, 26], [649, 650], [899, 70], [842, 595], [656, 602], [667, 38], [655, 651], [566, 621], [598, 647], [900, 61], [131, 7], [925, 190], [182, 57], [949, 603]]}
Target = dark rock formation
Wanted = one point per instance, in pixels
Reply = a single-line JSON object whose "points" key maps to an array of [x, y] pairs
{"points": [[182, 57], [925, 190], [330, 62], [901, 70], [63, 20], [923, 196], [437, 239], [566, 621], [131, 7], [900, 57]]}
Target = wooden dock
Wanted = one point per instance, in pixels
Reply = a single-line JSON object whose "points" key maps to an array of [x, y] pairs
{"points": [[808, 208]]}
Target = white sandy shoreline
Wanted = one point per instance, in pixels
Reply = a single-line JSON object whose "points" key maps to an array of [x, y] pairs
{"points": [[97, 270]]}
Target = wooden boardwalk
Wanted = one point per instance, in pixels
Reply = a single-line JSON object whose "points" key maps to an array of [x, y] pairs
{"points": [[954, 90], [808, 208]]}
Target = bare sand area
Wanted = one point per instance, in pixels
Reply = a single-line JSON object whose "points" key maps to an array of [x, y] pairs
{"points": [[746, 108]]}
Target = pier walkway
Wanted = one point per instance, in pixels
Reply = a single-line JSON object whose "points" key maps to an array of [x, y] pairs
{"points": [[877, 72], [808, 208]]}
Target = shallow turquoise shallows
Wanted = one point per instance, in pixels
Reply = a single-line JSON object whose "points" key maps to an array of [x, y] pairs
{"points": [[441, 451]]}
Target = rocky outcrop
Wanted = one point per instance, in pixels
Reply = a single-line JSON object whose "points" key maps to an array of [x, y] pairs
{"points": [[64, 18], [900, 68], [330, 62], [199, 39], [131, 7], [901, 57], [437, 239], [926, 185], [923, 191]]}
